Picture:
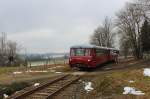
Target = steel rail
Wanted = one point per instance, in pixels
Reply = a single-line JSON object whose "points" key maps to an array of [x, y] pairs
{"points": [[53, 87], [32, 90]]}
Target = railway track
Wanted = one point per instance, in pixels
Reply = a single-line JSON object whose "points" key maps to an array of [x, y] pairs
{"points": [[47, 89]]}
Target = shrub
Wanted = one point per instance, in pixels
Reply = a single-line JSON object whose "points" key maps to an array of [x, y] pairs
{"points": [[10, 89]]}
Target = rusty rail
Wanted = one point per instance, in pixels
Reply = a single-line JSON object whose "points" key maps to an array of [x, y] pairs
{"points": [[47, 89]]}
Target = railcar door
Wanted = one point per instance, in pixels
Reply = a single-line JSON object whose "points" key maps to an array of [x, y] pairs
{"points": [[110, 55], [100, 56], [107, 55]]}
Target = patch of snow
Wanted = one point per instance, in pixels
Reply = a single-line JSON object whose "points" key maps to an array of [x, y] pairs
{"points": [[36, 84], [30, 71], [17, 72], [58, 72], [88, 86], [132, 90], [52, 70], [16, 91], [146, 72], [131, 81], [80, 80], [131, 63], [108, 68], [59, 66], [78, 73], [55, 67], [5, 95]]}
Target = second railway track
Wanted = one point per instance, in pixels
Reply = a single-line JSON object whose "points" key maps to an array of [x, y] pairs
{"points": [[47, 89]]}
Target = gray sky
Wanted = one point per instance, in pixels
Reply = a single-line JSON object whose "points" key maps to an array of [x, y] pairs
{"points": [[43, 26]]}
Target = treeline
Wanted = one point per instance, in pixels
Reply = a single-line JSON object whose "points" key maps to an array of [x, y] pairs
{"points": [[8, 52], [131, 25]]}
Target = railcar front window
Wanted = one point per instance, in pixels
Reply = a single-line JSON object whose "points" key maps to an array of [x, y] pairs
{"points": [[80, 52]]}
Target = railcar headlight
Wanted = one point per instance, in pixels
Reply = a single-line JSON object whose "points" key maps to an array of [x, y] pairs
{"points": [[70, 59], [89, 60]]}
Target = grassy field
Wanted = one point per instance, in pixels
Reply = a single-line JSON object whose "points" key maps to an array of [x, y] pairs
{"points": [[4, 70], [16, 78], [111, 84], [114, 83]]}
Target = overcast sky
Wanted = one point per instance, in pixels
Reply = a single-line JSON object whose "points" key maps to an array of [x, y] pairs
{"points": [[43, 26]]}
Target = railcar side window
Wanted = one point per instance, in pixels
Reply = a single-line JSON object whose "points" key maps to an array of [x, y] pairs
{"points": [[80, 52], [99, 52]]}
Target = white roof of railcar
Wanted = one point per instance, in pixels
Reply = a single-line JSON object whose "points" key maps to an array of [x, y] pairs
{"points": [[93, 46]]}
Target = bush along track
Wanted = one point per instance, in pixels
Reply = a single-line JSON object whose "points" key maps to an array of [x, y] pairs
{"points": [[12, 88]]}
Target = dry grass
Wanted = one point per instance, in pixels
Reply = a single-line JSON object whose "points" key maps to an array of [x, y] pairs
{"points": [[112, 84], [4, 70], [7, 76]]}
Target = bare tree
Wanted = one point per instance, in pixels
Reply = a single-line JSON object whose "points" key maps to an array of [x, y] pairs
{"points": [[124, 44], [3, 43], [8, 51], [108, 34], [11, 49], [97, 37], [103, 34], [129, 20], [145, 4]]}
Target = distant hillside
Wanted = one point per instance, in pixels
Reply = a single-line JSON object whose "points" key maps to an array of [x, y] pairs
{"points": [[37, 57]]}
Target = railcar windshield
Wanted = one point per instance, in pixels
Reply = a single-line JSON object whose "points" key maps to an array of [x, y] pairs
{"points": [[80, 52]]}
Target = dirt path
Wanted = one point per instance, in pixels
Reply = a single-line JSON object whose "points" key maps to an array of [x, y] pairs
{"points": [[113, 67]]}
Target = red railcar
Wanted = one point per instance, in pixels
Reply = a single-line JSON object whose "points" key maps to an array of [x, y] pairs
{"points": [[91, 56]]}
